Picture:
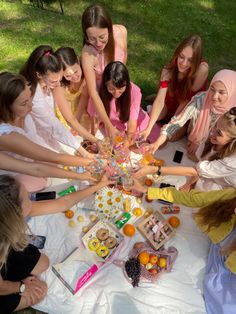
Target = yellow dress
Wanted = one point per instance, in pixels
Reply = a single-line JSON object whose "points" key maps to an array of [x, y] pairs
{"points": [[73, 98]]}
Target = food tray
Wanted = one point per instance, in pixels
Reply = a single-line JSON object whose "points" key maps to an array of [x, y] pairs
{"points": [[156, 230], [92, 234]]}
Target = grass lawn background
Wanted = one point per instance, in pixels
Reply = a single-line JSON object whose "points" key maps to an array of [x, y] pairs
{"points": [[155, 27]]}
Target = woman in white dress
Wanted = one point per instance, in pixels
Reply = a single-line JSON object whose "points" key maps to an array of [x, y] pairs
{"points": [[18, 135]]}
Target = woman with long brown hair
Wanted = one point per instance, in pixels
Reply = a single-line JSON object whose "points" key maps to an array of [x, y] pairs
{"points": [[184, 76], [122, 101], [103, 43]]}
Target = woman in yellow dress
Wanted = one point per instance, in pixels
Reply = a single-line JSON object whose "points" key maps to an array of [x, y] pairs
{"points": [[71, 96]]}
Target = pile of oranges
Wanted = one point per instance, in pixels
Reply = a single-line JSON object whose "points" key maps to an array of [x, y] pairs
{"points": [[152, 262]]}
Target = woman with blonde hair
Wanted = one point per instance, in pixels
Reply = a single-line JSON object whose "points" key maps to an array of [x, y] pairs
{"points": [[217, 219], [20, 262], [103, 43], [218, 222]]}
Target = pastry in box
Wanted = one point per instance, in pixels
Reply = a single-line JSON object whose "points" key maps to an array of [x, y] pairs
{"points": [[156, 230]]}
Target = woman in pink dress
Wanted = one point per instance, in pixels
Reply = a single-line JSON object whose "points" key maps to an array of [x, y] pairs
{"points": [[103, 43], [122, 102]]}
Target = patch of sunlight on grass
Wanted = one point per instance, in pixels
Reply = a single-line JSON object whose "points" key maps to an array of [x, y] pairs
{"points": [[154, 46], [207, 4]]}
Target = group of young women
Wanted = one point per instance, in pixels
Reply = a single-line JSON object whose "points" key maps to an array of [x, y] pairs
{"points": [[62, 98]]}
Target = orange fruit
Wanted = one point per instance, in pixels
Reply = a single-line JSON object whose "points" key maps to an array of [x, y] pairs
{"points": [[174, 221], [137, 211], [162, 262], [129, 230], [143, 257], [69, 213], [148, 182], [119, 139], [158, 163]]}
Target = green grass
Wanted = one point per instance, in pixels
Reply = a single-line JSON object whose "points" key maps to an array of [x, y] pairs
{"points": [[155, 27]]}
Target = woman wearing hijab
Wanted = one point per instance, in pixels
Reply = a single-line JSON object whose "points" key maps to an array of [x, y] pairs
{"points": [[203, 111]]}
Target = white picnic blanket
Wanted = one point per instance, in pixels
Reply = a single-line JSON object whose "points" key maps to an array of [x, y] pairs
{"points": [[108, 292]]}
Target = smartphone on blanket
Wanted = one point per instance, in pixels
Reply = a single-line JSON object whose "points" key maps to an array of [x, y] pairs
{"points": [[41, 196], [178, 156], [37, 240]]}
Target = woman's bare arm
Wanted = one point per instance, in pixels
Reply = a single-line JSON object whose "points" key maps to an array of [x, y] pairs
{"points": [[19, 144]]}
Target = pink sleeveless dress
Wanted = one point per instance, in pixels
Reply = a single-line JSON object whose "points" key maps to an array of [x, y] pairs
{"points": [[100, 66]]}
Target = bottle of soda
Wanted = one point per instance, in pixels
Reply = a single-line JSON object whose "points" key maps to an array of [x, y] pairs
{"points": [[70, 190], [122, 220]]}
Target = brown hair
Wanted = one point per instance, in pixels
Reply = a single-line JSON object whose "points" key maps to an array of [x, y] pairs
{"points": [[96, 15], [229, 148], [12, 224], [11, 86], [185, 85], [119, 75], [217, 213], [41, 60]]}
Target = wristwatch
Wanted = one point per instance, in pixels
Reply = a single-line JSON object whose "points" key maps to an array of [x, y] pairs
{"points": [[22, 287], [158, 171]]}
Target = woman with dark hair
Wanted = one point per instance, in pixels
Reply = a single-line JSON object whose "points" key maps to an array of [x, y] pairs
{"points": [[18, 134], [103, 43], [71, 95], [184, 76], [43, 72], [122, 101]]}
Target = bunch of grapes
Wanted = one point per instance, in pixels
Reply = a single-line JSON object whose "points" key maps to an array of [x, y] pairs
{"points": [[133, 270]]}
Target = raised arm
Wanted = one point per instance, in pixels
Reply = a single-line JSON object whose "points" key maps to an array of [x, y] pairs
{"points": [[19, 144]]}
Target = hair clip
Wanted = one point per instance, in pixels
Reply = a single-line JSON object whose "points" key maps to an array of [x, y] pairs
{"points": [[47, 53]]}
